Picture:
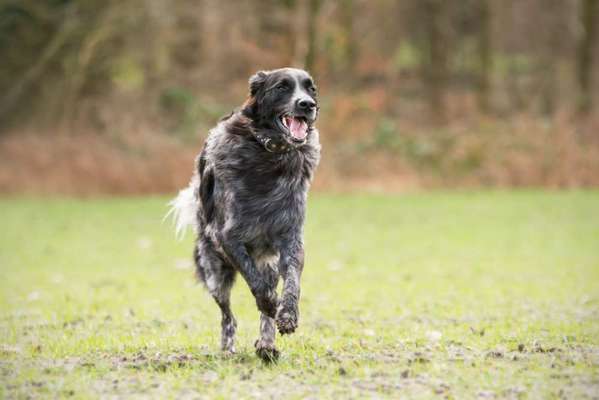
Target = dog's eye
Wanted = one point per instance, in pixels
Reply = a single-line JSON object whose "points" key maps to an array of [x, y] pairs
{"points": [[312, 89], [281, 87]]}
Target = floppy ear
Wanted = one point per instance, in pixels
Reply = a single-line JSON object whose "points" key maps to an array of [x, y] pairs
{"points": [[256, 82]]}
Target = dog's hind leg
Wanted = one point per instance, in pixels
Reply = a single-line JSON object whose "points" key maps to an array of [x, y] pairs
{"points": [[222, 296], [218, 278]]}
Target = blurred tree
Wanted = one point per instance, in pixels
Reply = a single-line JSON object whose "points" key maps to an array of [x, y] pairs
{"points": [[43, 32], [292, 26], [350, 41], [78, 65], [589, 18], [279, 27], [550, 40], [313, 10], [435, 67], [100, 54], [485, 55]]}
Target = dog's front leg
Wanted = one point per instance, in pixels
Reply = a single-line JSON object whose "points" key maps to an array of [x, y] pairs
{"points": [[265, 346], [291, 267], [263, 291]]}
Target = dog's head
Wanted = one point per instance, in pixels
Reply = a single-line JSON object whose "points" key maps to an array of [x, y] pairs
{"points": [[284, 102]]}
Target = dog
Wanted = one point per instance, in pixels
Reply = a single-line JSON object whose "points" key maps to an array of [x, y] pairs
{"points": [[247, 201]]}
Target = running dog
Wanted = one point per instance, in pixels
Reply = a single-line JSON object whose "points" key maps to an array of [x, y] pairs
{"points": [[247, 201]]}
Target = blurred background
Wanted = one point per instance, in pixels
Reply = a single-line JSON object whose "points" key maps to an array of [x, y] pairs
{"points": [[116, 97]]}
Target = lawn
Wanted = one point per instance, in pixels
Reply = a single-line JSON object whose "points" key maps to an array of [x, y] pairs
{"points": [[450, 295]]}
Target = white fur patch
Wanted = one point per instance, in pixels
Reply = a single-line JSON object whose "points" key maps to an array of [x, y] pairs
{"points": [[184, 208], [267, 260], [211, 283]]}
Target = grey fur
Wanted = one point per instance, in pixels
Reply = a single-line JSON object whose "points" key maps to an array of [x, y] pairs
{"points": [[250, 191]]}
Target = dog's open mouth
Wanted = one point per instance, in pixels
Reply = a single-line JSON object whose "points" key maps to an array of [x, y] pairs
{"points": [[297, 126]]}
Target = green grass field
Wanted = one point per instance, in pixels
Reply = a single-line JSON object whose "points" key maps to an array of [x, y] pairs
{"points": [[451, 295]]}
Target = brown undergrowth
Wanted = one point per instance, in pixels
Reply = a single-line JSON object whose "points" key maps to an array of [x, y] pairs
{"points": [[367, 152]]}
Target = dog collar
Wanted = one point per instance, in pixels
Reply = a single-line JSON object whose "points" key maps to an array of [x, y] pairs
{"points": [[271, 145]]}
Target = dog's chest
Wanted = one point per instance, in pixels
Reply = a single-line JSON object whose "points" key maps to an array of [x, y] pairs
{"points": [[272, 203], [280, 205]]}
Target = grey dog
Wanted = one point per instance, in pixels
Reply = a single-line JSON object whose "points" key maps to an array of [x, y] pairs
{"points": [[247, 201]]}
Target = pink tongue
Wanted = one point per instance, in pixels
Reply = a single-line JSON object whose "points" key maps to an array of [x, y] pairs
{"points": [[298, 128]]}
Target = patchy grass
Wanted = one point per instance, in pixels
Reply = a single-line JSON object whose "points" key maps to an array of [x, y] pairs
{"points": [[492, 295]]}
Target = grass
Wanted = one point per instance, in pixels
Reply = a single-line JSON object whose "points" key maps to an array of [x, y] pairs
{"points": [[455, 295]]}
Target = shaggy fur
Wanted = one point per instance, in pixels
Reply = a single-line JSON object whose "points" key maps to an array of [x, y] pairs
{"points": [[247, 201]]}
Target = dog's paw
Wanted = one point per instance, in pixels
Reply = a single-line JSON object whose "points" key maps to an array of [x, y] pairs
{"points": [[229, 353], [267, 352], [286, 319]]}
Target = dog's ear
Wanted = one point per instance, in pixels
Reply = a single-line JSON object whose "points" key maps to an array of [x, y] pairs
{"points": [[257, 81]]}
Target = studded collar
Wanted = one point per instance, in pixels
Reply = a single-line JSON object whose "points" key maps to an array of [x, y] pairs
{"points": [[273, 145]]}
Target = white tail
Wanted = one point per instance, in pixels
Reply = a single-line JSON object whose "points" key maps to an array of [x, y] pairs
{"points": [[184, 208]]}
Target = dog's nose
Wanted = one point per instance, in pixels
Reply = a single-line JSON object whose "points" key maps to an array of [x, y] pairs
{"points": [[306, 104]]}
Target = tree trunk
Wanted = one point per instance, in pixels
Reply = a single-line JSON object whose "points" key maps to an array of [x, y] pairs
{"points": [[436, 60], [552, 19], [313, 9], [589, 19], [485, 54], [347, 22], [290, 32]]}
